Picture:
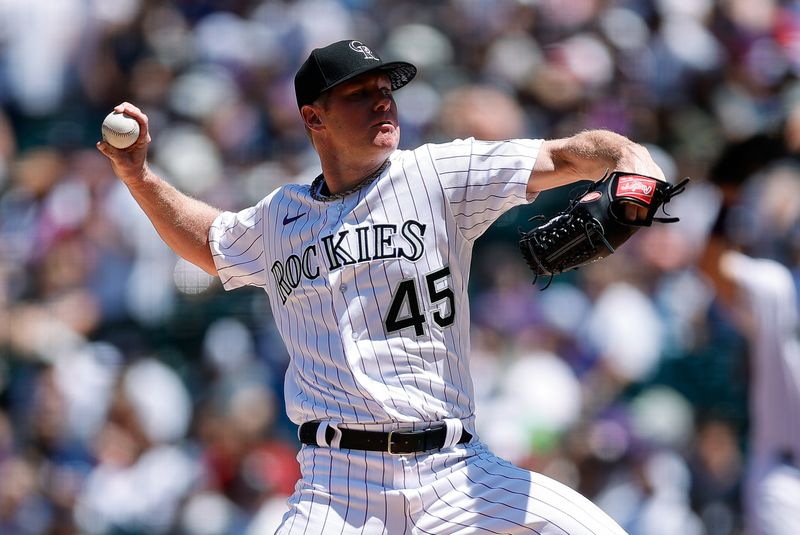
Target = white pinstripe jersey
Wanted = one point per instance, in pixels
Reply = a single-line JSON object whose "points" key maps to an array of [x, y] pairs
{"points": [[369, 291], [770, 300]]}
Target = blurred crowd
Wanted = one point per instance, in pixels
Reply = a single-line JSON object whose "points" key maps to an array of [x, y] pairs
{"points": [[136, 397]]}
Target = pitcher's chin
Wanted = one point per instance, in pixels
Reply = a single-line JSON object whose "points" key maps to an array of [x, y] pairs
{"points": [[388, 137]]}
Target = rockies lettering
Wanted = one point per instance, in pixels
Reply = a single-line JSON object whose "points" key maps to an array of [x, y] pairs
{"points": [[369, 290], [363, 244]]}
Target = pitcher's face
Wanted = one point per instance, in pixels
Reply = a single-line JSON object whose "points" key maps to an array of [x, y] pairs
{"points": [[361, 113]]}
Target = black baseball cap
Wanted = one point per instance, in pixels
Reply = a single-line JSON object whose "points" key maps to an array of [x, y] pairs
{"points": [[338, 62]]}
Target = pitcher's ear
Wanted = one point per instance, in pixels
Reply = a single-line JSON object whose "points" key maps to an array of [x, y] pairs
{"points": [[311, 117]]}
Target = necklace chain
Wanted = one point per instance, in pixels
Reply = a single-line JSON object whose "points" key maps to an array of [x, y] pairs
{"points": [[316, 185]]}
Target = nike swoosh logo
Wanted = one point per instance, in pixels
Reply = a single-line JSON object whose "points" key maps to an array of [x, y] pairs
{"points": [[287, 219]]}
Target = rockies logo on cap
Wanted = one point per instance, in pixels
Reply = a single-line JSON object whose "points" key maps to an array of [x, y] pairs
{"points": [[358, 46], [331, 65]]}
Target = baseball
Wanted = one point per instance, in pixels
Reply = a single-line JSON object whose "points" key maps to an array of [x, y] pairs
{"points": [[120, 130]]}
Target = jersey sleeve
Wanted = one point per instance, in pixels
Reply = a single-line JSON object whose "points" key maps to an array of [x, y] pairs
{"points": [[237, 246], [483, 179]]}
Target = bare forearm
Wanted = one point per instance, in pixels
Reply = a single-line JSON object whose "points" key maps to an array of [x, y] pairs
{"points": [[588, 156], [182, 221], [591, 153]]}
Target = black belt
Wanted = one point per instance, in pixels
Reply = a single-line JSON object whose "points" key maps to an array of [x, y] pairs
{"points": [[394, 442]]}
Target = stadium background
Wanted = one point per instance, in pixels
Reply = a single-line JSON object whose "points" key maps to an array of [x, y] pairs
{"points": [[137, 398]]}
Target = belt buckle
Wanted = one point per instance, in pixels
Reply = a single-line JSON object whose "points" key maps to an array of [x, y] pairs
{"points": [[389, 443]]}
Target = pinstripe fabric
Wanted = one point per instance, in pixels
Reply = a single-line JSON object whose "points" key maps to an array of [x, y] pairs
{"points": [[464, 490], [369, 292]]}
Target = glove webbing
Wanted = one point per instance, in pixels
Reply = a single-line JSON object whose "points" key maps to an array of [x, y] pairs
{"points": [[582, 226]]}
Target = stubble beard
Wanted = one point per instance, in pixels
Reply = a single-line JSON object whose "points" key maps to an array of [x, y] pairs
{"points": [[388, 141]]}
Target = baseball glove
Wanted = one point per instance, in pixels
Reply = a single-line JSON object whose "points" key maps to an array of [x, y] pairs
{"points": [[593, 226]]}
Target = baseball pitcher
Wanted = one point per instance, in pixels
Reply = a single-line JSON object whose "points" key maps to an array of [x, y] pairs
{"points": [[367, 270]]}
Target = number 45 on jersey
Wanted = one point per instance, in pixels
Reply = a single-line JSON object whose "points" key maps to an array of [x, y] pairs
{"points": [[405, 310]]}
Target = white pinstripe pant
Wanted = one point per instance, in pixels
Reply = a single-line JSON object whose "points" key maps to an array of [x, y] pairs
{"points": [[464, 490]]}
